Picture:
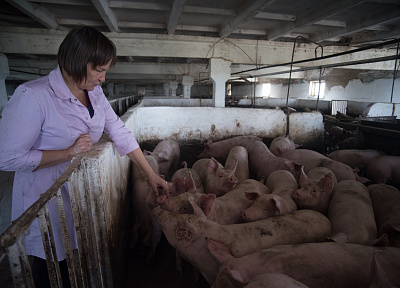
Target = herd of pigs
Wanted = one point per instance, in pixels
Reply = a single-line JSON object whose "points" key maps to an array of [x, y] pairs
{"points": [[249, 215]]}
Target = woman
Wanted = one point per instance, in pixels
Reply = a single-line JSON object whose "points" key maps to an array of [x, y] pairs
{"points": [[50, 120]]}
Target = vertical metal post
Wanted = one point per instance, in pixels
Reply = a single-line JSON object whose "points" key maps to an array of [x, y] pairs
{"points": [[49, 247], [67, 243]]}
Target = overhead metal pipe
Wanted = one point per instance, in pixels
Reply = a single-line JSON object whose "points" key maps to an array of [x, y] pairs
{"points": [[321, 58]]}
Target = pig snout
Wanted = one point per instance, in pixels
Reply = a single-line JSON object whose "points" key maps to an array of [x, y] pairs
{"points": [[233, 180], [243, 215], [296, 194]]}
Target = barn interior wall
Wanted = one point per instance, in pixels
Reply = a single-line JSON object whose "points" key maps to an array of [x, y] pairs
{"points": [[379, 90]]}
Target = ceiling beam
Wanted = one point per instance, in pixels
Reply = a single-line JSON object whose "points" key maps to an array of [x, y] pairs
{"points": [[46, 42], [106, 14], [247, 13], [37, 12], [176, 12], [367, 21], [310, 15]]}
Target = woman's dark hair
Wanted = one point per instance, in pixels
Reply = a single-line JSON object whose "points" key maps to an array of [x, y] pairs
{"points": [[84, 45]]}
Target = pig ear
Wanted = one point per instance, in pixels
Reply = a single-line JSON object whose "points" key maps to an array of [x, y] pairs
{"points": [[161, 198], [190, 186], [252, 195], [297, 166], [206, 203], [179, 184], [221, 251], [234, 165], [207, 144], [303, 177], [145, 152], [326, 183], [197, 210], [234, 274], [162, 158], [213, 166], [276, 204]]}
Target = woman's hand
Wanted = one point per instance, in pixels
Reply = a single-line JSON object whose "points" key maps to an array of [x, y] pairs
{"points": [[158, 184], [82, 144]]}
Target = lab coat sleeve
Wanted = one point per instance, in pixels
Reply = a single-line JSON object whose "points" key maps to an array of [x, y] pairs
{"points": [[20, 126]]}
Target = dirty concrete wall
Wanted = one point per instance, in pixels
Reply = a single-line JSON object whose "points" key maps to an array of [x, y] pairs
{"points": [[194, 123], [201, 123], [103, 180]]}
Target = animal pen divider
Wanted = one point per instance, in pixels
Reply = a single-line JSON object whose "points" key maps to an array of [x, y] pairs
{"points": [[90, 266]]}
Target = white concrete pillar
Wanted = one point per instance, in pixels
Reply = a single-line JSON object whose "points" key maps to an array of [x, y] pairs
{"points": [[4, 72], [172, 86], [166, 90], [187, 82], [220, 71]]}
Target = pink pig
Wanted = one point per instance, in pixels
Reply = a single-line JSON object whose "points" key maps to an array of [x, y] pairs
{"points": [[385, 170], [181, 181], [351, 214], [315, 190], [167, 154], [262, 162], [281, 145], [386, 204], [311, 159], [316, 265], [281, 183], [144, 229], [216, 179], [220, 149], [239, 154]]}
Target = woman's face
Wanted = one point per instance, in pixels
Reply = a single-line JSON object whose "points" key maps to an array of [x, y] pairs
{"points": [[94, 76]]}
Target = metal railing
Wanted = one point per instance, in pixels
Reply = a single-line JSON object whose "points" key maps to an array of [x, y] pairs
{"points": [[83, 271]]}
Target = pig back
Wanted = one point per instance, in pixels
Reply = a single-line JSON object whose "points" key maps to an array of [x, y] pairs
{"points": [[351, 214], [220, 149], [386, 204]]}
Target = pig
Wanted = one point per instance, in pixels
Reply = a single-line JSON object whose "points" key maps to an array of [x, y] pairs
{"points": [[281, 145], [167, 154], [144, 229], [379, 275], [385, 170], [181, 181], [311, 159], [351, 214], [176, 202], [220, 149], [274, 280], [239, 154], [216, 179], [281, 184], [226, 209], [356, 158], [222, 210], [315, 190], [262, 162], [188, 234], [386, 204], [316, 265], [266, 280]]}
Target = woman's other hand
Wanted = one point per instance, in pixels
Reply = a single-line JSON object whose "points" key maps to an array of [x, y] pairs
{"points": [[82, 144]]}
